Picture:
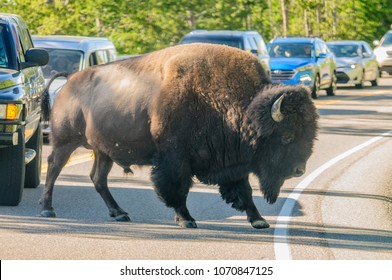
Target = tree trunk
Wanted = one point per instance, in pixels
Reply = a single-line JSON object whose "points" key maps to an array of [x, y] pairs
{"points": [[284, 17]]}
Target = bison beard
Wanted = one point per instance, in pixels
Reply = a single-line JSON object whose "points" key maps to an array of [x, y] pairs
{"points": [[192, 110]]}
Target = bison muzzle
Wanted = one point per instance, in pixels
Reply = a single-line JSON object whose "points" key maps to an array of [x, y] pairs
{"points": [[200, 110]]}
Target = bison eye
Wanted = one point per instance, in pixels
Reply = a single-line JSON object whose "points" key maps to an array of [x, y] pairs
{"points": [[287, 139]]}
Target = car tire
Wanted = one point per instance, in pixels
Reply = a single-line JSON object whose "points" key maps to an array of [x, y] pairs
{"points": [[362, 83], [33, 168], [331, 91], [376, 80], [316, 87], [12, 172]]}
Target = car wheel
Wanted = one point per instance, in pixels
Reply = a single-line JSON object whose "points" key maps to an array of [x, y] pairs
{"points": [[316, 87], [331, 91], [376, 80], [12, 172], [362, 82], [33, 168]]}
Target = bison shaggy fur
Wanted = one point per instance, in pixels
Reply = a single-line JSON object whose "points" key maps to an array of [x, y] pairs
{"points": [[200, 110]]}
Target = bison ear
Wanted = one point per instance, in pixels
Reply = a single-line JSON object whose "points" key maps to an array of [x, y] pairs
{"points": [[276, 113]]}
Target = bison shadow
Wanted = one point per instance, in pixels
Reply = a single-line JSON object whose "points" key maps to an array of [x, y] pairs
{"points": [[82, 212]]}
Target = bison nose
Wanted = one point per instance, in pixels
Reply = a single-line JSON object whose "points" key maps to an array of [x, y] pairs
{"points": [[298, 171]]}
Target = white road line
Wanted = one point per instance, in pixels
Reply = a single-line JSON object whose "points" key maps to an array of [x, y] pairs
{"points": [[281, 244]]}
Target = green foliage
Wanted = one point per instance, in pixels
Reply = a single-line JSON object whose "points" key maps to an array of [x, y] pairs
{"points": [[138, 26]]}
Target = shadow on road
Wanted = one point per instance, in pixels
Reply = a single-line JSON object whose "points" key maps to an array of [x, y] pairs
{"points": [[81, 212]]}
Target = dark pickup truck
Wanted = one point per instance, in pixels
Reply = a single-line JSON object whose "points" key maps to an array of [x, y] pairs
{"points": [[21, 85]]}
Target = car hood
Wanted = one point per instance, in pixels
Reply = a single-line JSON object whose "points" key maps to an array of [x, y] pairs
{"points": [[288, 63], [344, 61], [9, 78], [383, 50]]}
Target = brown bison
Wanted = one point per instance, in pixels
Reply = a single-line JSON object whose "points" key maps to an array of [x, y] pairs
{"points": [[192, 110]]}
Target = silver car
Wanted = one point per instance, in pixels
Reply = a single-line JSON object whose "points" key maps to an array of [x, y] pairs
{"points": [[70, 54], [383, 52], [355, 63]]}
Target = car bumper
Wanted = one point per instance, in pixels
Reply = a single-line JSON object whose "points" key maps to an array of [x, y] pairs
{"points": [[348, 75], [8, 139], [386, 65]]}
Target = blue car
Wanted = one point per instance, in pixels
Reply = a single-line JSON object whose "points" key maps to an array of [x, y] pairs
{"points": [[303, 60]]}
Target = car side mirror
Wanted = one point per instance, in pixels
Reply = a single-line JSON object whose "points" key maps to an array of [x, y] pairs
{"points": [[322, 55], [366, 55], [35, 57], [376, 43]]}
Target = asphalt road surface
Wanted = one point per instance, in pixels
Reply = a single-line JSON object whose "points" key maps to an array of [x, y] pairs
{"points": [[340, 209]]}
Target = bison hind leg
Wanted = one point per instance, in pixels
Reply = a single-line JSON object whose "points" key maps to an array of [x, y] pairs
{"points": [[172, 180], [99, 175], [239, 194]]}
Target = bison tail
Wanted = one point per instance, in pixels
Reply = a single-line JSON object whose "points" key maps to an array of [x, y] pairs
{"points": [[45, 96], [127, 170]]}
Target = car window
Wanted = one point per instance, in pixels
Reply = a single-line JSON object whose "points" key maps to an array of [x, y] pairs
{"points": [[345, 50], [62, 60], [386, 40], [367, 48], [232, 42], [323, 47], [112, 54], [261, 45], [4, 48], [253, 44], [287, 50], [318, 49]]}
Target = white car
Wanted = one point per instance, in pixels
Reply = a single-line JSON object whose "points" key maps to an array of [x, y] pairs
{"points": [[70, 54], [355, 63], [383, 52]]}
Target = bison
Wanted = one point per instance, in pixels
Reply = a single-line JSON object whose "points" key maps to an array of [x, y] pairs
{"points": [[200, 110]]}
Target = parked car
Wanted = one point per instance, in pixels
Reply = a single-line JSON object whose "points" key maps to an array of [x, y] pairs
{"points": [[70, 54], [383, 52], [303, 60], [355, 63], [21, 85], [250, 41]]}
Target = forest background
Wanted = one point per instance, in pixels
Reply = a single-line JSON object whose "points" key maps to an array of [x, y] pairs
{"points": [[137, 26]]}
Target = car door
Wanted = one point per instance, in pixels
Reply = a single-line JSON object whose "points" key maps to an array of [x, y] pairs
{"points": [[33, 80], [326, 63]]}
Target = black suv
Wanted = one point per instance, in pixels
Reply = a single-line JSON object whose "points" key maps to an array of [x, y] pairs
{"points": [[21, 85], [250, 41]]}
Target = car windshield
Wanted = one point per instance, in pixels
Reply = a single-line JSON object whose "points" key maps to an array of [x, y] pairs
{"points": [[289, 50], [232, 42], [387, 40], [5, 49], [61, 60], [346, 50]]}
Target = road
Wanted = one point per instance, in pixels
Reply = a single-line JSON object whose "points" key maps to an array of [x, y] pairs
{"points": [[340, 209]]}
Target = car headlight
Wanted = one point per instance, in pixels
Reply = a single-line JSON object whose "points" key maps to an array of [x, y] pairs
{"points": [[354, 65], [304, 68]]}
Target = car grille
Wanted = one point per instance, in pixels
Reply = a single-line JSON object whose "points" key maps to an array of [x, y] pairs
{"points": [[282, 75], [342, 77]]}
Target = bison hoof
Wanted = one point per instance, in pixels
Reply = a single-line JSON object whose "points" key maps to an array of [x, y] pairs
{"points": [[122, 218], [48, 214], [187, 224], [260, 224]]}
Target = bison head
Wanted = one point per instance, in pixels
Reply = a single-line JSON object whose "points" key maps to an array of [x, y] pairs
{"points": [[284, 119]]}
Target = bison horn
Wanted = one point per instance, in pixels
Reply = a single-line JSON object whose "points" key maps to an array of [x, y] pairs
{"points": [[276, 114]]}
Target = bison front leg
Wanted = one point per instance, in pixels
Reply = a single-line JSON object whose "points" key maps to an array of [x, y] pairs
{"points": [[99, 175], [172, 181], [56, 161], [239, 193]]}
